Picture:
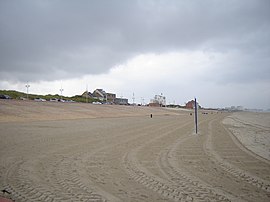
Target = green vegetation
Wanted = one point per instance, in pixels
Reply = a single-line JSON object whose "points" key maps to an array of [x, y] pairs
{"points": [[79, 98], [19, 95], [12, 93]]}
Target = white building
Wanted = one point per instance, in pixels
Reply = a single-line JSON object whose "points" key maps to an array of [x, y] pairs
{"points": [[159, 99]]}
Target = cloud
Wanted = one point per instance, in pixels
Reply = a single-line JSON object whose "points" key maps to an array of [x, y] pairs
{"points": [[179, 48], [52, 40], [180, 76]]}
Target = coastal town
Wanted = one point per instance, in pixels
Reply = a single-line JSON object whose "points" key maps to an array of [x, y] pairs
{"points": [[100, 96]]}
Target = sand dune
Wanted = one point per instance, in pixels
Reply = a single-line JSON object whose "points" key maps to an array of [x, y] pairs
{"points": [[80, 152]]}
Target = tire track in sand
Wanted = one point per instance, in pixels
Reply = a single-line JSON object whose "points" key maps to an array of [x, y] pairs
{"points": [[230, 168], [198, 189], [65, 180], [98, 157], [21, 188], [182, 188]]}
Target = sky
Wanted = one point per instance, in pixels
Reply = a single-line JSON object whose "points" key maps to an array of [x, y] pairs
{"points": [[217, 51]]}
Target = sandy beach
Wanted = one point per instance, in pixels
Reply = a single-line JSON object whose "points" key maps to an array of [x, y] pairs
{"points": [[84, 152], [252, 130]]}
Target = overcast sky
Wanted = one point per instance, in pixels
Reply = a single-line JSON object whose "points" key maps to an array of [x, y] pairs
{"points": [[218, 51]]}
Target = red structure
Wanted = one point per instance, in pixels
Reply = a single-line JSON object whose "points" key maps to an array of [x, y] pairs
{"points": [[190, 104]]}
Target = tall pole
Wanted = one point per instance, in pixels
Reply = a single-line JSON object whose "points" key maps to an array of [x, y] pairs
{"points": [[61, 90], [133, 98], [196, 117], [27, 86]]}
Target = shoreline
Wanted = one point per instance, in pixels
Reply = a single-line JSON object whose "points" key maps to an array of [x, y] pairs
{"points": [[252, 130]]}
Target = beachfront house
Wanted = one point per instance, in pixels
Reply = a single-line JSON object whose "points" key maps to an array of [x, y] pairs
{"points": [[191, 104]]}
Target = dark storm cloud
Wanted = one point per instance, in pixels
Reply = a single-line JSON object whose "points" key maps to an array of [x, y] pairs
{"points": [[48, 40]]}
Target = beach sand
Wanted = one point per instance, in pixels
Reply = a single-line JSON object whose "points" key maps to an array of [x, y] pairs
{"points": [[85, 152], [252, 130]]}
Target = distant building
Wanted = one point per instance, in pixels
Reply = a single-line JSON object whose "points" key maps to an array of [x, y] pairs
{"points": [[121, 101], [240, 108], [87, 94], [110, 97], [99, 94], [234, 108], [191, 104], [103, 96], [159, 100]]}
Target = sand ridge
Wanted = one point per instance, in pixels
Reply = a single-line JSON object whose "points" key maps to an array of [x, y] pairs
{"points": [[22, 111]]}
